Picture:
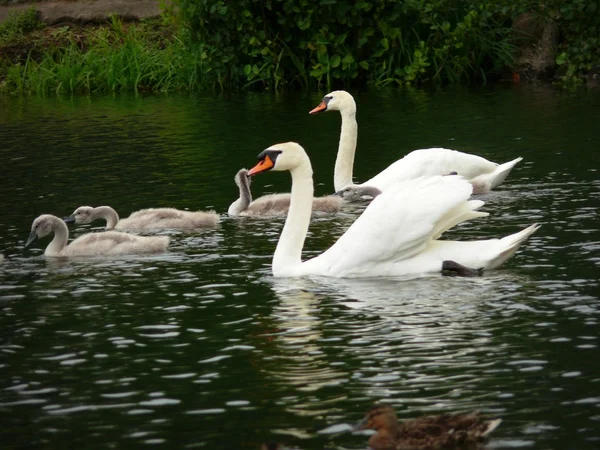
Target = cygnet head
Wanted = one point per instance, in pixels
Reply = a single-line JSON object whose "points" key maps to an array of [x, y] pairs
{"points": [[281, 157], [358, 193], [41, 227], [336, 101], [83, 214], [242, 175]]}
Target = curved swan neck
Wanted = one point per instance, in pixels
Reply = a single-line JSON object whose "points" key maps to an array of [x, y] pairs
{"points": [[59, 241], [108, 214], [344, 163], [245, 193], [241, 204], [288, 254]]}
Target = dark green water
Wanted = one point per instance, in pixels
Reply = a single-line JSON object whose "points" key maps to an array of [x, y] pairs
{"points": [[202, 348]]}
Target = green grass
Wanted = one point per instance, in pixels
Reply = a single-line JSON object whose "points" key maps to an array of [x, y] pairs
{"points": [[118, 58]]}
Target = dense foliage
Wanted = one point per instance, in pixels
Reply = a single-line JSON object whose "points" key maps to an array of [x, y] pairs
{"points": [[274, 44], [277, 42]]}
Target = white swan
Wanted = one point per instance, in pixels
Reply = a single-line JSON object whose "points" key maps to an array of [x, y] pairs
{"points": [[484, 175], [273, 204], [92, 244], [145, 219], [396, 234]]}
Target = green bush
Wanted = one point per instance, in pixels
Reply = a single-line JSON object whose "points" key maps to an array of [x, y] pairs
{"points": [[18, 23], [306, 42]]}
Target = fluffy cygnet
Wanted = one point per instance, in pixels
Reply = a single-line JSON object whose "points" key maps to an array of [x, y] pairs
{"points": [[145, 219], [273, 204], [92, 244]]}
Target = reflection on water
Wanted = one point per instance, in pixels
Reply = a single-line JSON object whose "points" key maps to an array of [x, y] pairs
{"points": [[201, 347]]}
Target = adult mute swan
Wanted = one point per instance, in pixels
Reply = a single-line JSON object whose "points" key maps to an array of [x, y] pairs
{"points": [[273, 204], [145, 219], [484, 175], [395, 235], [107, 243]]}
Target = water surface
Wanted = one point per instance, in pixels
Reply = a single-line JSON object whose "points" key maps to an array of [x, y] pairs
{"points": [[202, 348]]}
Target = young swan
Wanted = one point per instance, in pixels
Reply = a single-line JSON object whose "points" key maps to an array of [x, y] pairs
{"points": [[446, 431], [274, 204], [145, 219], [107, 243], [358, 193]]}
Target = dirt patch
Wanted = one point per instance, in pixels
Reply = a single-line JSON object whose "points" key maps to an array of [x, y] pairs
{"points": [[88, 11]]}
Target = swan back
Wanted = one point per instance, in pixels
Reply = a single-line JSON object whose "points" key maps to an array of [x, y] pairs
{"points": [[162, 218], [358, 193], [145, 219]]}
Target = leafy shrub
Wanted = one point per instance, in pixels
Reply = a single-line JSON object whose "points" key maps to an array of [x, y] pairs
{"points": [[18, 23], [276, 42]]}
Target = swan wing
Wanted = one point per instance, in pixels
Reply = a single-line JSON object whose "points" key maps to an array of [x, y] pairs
{"points": [[397, 225], [429, 162]]}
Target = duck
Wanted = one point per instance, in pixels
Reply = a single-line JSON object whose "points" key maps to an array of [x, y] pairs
{"points": [[446, 431], [273, 204], [144, 219], [397, 234], [92, 244], [484, 175]]}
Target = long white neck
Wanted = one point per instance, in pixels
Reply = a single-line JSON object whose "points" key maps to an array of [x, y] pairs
{"points": [[108, 214], [241, 204], [59, 241], [288, 254], [344, 163]]}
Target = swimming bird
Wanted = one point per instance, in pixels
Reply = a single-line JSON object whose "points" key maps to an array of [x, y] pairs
{"points": [[397, 234], [145, 219], [484, 175], [92, 244], [358, 193], [446, 431], [273, 204]]}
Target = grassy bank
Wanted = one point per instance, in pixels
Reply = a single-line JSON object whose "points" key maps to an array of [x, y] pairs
{"points": [[116, 57], [209, 45]]}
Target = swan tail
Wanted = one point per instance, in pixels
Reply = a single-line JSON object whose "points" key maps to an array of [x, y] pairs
{"points": [[508, 245], [466, 211], [487, 182]]}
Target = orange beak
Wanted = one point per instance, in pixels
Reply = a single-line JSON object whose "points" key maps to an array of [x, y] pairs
{"points": [[262, 166], [322, 107]]}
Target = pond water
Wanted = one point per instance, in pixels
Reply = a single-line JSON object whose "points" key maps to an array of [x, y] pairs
{"points": [[202, 348]]}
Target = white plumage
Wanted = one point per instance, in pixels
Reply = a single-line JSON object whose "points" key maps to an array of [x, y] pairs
{"points": [[484, 175], [398, 232]]}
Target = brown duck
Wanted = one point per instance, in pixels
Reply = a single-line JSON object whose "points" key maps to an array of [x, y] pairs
{"points": [[446, 431]]}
